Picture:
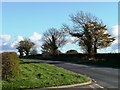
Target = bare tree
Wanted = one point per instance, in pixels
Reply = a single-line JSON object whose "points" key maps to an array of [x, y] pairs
{"points": [[52, 40], [90, 32]]}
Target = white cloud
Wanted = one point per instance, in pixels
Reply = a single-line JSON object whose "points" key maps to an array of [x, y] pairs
{"points": [[5, 37], [10, 46], [35, 37], [115, 31], [7, 47], [38, 43], [108, 50], [70, 39], [70, 46], [114, 47], [5, 44], [19, 38]]}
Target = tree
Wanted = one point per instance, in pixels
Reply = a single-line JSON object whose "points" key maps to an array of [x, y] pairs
{"points": [[53, 39], [25, 46], [71, 52], [90, 32]]}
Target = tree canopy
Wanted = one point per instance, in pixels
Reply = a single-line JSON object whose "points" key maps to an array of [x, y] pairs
{"points": [[71, 52], [90, 32], [52, 40], [25, 46]]}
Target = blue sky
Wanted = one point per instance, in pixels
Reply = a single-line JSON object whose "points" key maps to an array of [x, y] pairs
{"points": [[25, 18]]}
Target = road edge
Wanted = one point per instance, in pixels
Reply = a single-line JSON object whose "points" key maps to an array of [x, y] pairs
{"points": [[73, 85]]}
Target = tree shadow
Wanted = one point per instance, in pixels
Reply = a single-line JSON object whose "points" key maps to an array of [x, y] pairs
{"points": [[100, 64], [55, 62], [28, 62]]}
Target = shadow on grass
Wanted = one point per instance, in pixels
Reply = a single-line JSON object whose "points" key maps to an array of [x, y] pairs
{"points": [[13, 89], [54, 62], [28, 62]]}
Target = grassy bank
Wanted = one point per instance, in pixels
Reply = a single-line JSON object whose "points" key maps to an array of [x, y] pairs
{"points": [[39, 75]]}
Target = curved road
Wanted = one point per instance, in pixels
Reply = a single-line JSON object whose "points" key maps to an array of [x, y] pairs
{"points": [[105, 77]]}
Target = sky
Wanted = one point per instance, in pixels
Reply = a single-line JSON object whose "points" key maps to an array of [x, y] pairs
{"points": [[31, 19]]}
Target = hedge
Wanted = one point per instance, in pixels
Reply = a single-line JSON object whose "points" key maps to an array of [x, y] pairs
{"points": [[10, 65]]}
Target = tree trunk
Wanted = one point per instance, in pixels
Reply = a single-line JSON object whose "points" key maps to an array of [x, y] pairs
{"points": [[89, 50], [95, 47], [95, 50], [21, 54], [27, 53]]}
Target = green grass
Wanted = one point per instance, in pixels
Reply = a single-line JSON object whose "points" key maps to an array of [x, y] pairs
{"points": [[40, 75]]}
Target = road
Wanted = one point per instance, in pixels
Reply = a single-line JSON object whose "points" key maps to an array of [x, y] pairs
{"points": [[105, 77]]}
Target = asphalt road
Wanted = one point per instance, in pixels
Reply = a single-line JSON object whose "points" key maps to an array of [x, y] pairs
{"points": [[105, 77]]}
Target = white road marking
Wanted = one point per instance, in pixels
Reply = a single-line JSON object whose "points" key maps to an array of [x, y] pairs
{"points": [[91, 86], [94, 80], [99, 86]]}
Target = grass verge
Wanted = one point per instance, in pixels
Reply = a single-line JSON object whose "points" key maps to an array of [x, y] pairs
{"points": [[39, 75]]}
